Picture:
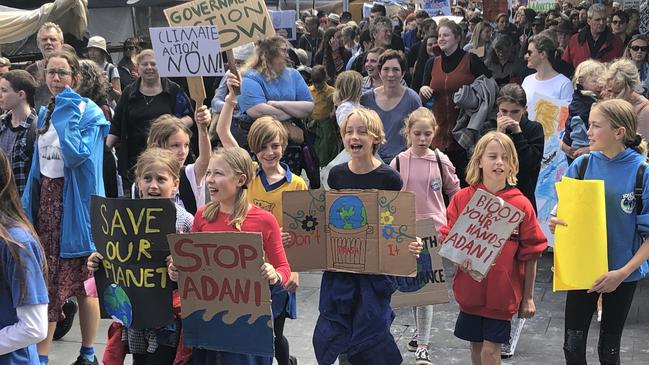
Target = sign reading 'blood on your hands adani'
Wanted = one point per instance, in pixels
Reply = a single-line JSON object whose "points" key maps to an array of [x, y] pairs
{"points": [[238, 21], [225, 300]]}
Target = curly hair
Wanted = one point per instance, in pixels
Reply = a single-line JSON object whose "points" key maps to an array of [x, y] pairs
{"points": [[93, 83], [266, 51]]}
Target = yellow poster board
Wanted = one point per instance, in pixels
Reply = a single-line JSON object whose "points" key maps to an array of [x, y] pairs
{"points": [[580, 253]]}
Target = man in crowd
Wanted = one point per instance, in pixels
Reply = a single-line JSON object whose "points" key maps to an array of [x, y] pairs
{"points": [[594, 40], [49, 40], [310, 40]]}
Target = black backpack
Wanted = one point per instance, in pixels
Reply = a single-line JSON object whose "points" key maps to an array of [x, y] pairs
{"points": [[441, 173], [639, 180]]}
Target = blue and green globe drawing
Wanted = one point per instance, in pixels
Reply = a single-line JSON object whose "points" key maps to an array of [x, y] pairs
{"points": [[347, 212], [118, 305]]}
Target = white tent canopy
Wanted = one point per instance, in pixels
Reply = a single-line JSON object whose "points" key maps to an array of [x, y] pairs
{"points": [[18, 24]]}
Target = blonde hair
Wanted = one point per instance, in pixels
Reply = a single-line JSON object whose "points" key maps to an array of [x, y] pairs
{"points": [[264, 130], [624, 74], [586, 69], [348, 87], [473, 170], [239, 161], [266, 50], [372, 122], [621, 114], [142, 54], [158, 157], [417, 115], [164, 127]]}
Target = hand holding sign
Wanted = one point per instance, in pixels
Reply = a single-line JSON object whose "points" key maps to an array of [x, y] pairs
{"points": [[480, 232]]}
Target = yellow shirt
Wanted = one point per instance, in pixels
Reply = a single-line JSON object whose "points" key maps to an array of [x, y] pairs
{"points": [[269, 196], [323, 102]]}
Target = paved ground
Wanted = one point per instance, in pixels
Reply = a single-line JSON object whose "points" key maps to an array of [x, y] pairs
{"points": [[540, 343]]}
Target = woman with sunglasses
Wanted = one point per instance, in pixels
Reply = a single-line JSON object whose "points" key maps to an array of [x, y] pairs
{"points": [[127, 66], [637, 51]]}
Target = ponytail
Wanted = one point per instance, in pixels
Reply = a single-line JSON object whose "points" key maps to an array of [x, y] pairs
{"points": [[48, 116]]}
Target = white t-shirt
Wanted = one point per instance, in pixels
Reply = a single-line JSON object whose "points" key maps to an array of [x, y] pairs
{"points": [[343, 109], [50, 157], [558, 87]]}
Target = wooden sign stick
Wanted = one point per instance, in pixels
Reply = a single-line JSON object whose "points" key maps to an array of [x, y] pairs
{"points": [[196, 90], [233, 68]]}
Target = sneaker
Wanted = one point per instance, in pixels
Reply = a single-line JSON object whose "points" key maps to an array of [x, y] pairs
{"points": [[599, 316], [412, 345], [506, 351], [82, 361], [421, 356]]}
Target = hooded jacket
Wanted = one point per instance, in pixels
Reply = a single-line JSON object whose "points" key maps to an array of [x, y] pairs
{"points": [[476, 103], [499, 294], [430, 201], [625, 230], [81, 128]]}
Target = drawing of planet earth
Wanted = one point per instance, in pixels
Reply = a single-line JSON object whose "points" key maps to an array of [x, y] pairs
{"points": [[347, 212], [118, 305]]}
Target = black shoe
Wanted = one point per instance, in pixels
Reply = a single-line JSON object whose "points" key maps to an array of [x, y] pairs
{"points": [[82, 361], [292, 360], [63, 326]]}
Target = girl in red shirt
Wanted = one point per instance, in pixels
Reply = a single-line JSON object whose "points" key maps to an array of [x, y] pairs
{"points": [[228, 176], [487, 307]]}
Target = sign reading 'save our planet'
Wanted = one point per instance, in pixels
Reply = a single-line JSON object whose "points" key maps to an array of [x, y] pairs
{"points": [[238, 21], [187, 51]]}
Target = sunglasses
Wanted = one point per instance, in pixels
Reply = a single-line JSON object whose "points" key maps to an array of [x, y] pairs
{"points": [[639, 48]]}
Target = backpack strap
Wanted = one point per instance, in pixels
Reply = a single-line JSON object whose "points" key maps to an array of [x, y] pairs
{"points": [[439, 166], [398, 163], [581, 169], [639, 186], [186, 193]]}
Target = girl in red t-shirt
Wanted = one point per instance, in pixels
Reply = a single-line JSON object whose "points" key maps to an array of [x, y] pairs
{"points": [[228, 176]]}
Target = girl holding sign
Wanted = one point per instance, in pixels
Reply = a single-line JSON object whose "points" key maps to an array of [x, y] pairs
{"points": [[67, 167], [617, 152], [487, 306], [23, 294], [157, 175], [229, 177], [430, 174], [355, 313], [268, 139]]}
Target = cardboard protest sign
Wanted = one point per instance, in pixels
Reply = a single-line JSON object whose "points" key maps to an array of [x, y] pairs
{"points": [[365, 231], [541, 5], [480, 232], [436, 7], [187, 51], [284, 22], [429, 286], [580, 249], [552, 114], [131, 236], [239, 22], [225, 300]]}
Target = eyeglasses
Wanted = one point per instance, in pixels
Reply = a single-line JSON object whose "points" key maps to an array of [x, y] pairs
{"points": [[62, 73], [640, 48]]}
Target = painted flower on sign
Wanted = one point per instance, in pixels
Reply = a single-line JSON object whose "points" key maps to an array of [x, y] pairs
{"points": [[386, 218], [388, 231], [309, 223]]}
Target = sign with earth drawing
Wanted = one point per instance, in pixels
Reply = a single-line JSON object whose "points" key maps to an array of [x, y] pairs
{"points": [[131, 235], [364, 231]]}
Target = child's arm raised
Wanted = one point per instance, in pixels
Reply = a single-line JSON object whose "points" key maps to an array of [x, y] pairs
{"points": [[225, 118], [203, 118]]}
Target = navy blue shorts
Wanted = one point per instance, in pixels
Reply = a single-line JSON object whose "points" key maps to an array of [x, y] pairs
{"points": [[474, 328]]}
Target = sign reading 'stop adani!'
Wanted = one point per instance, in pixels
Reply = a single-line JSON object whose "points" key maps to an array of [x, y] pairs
{"points": [[238, 21]]}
